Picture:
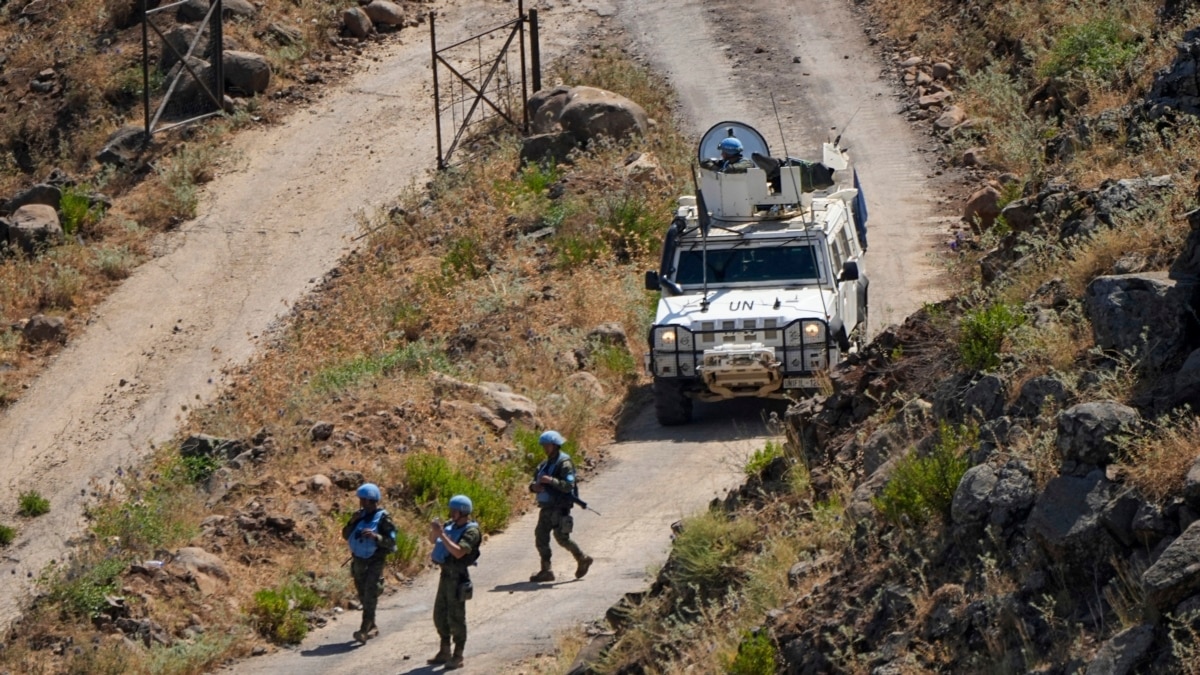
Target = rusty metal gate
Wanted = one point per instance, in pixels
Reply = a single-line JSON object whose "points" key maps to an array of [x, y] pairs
{"points": [[482, 89], [189, 72]]}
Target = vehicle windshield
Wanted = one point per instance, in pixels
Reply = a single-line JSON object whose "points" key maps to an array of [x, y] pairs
{"points": [[748, 265]]}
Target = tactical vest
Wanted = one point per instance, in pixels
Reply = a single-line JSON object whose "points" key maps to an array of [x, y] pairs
{"points": [[550, 496], [455, 532], [365, 547]]}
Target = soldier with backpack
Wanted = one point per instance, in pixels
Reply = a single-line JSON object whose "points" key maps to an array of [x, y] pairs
{"points": [[455, 549], [554, 484]]}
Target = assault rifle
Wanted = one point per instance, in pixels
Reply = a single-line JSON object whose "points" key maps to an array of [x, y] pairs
{"points": [[575, 498]]}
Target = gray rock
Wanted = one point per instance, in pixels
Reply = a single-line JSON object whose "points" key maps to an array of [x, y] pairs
{"points": [[971, 498], [1175, 575], [590, 113], [203, 445], [985, 399], [1139, 314], [609, 334], [123, 147], [41, 328], [321, 431], [42, 193], [357, 22], [1066, 520], [1121, 654], [556, 146], [982, 208], [1089, 432], [246, 72], [34, 227], [1118, 516], [175, 46], [1191, 485], [998, 496], [348, 480], [199, 560], [881, 446], [1045, 392], [384, 12]]}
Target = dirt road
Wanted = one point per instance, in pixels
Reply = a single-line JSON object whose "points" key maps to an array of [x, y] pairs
{"points": [[276, 223]]}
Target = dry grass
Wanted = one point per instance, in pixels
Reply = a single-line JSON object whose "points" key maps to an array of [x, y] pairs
{"points": [[1157, 463]]}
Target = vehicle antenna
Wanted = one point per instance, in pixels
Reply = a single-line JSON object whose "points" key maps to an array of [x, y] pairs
{"points": [[702, 217], [838, 139], [812, 248]]}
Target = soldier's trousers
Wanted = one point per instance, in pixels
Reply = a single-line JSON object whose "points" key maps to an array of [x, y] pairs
{"points": [[560, 522], [450, 609], [368, 584]]}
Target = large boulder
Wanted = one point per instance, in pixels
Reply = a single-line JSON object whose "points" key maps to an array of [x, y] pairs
{"points": [[246, 72], [34, 227], [1141, 314], [555, 147], [41, 328], [42, 193], [1089, 433], [587, 113], [1066, 521], [175, 46], [986, 494], [384, 12], [357, 22], [982, 209], [1123, 652]]}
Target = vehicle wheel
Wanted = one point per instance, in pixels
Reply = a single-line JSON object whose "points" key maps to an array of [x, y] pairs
{"points": [[671, 407], [859, 337]]}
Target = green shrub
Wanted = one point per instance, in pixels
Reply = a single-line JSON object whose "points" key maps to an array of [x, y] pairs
{"points": [[982, 332], [465, 259], [1014, 139], [537, 178], [156, 520], [75, 206], [706, 548], [32, 504], [1098, 51], [613, 359], [755, 656], [201, 654], [922, 488], [762, 457], [407, 547], [433, 482], [278, 612], [7, 534], [574, 251], [114, 263], [414, 357], [630, 226], [81, 589], [194, 469]]}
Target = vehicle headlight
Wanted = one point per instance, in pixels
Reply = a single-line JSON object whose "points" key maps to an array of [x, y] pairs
{"points": [[665, 339], [814, 331]]}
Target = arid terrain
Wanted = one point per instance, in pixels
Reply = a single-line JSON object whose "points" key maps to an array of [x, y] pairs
{"points": [[285, 207]]}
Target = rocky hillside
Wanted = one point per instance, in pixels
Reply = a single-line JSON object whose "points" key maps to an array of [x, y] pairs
{"points": [[1010, 480]]}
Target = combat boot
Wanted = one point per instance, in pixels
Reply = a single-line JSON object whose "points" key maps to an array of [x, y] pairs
{"points": [[582, 566], [456, 661], [443, 654], [544, 575]]}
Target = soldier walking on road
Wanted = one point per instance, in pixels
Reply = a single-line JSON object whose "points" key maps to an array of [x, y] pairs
{"points": [[554, 484], [455, 549], [371, 536]]}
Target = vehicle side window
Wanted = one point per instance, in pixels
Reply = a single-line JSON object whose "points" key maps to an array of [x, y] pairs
{"points": [[843, 239], [838, 256]]}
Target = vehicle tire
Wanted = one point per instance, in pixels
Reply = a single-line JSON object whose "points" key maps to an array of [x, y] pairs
{"points": [[859, 337], [671, 407]]}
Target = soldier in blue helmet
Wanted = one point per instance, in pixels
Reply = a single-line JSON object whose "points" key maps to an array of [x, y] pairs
{"points": [[455, 549], [554, 484], [371, 536], [731, 160]]}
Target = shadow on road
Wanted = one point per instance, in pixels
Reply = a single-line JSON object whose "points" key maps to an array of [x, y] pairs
{"points": [[332, 649], [422, 670], [525, 586], [731, 420]]}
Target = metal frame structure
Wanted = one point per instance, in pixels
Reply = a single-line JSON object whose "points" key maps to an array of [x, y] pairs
{"points": [[214, 91], [484, 81]]}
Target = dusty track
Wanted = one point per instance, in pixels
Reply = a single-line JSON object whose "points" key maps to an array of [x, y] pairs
{"points": [[285, 214]]}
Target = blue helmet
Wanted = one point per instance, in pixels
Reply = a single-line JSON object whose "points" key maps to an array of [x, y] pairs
{"points": [[730, 146], [552, 437], [461, 503], [369, 491]]}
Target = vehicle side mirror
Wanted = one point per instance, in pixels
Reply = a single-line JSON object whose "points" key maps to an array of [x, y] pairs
{"points": [[652, 283], [849, 271]]}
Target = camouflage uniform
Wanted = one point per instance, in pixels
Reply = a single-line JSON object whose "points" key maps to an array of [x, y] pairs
{"points": [[555, 515], [368, 572], [450, 606]]}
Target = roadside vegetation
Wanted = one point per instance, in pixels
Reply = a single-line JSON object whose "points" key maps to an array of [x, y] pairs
{"points": [[437, 294], [58, 106]]}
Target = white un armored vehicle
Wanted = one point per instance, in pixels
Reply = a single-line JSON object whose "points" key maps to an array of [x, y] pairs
{"points": [[762, 277]]}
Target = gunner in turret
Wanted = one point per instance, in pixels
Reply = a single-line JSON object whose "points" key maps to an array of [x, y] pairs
{"points": [[731, 160]]}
